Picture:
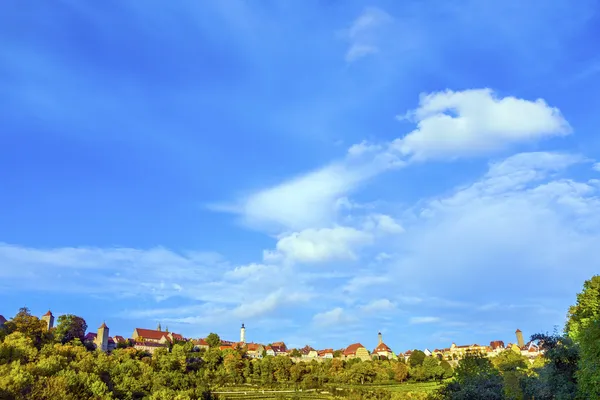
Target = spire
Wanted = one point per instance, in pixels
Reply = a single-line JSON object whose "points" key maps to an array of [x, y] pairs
{"points": [[158, 327], [380, 338], [167, 329], [48, 314], [103, 326]]}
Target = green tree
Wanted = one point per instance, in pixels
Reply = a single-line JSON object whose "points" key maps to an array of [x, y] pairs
{"points": [[475, 378], [416, 358], [588, 375], [213, 340], [400, 372], [69, 327], [585, 310], [31, 326]]}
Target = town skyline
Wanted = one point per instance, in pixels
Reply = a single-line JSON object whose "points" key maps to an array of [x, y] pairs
{"points": [[319, 170]]}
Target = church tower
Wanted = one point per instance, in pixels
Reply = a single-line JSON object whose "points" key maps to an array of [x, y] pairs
{"points": [[48, 318], [158, 328], [379, 338], [243, 334], [520, 341], [102, 338]]}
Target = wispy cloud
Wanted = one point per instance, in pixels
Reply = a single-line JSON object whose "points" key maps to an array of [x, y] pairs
{"points": [[364, 33], [423, 320]]}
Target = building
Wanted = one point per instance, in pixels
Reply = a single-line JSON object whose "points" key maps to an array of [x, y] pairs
{"points": [[382, 350], [357, 350], [327, 353], [150, 335], [150, 347], [200, 344], [308, 352], [48, 318], [458, 352], [101, 340], [520, 341], [243, 334], [254, 350]]}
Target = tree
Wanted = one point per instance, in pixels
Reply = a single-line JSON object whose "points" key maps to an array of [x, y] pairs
{"points": [[416, 358], [585, 310], [475, 378], [400, 371], [588, 375], [295, 353], [70, 327], [556, 379], [31, 326], [213, 340]]}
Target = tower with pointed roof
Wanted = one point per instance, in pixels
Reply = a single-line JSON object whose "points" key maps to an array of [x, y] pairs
{"points": [[379, 338], [520, 341], [48, 318], [102, 338], [158, 327], [243, 334]]}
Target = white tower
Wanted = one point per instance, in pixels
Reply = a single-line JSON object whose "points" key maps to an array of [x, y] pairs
{"points": [[102, 338], [380, 338], [243, 334]]}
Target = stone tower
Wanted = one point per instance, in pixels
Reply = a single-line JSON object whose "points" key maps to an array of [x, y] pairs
{"points": [[520, 341], [379, 338], [102, 338], [243, 334], [48, 318]]}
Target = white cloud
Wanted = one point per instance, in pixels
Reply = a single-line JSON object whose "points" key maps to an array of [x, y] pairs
{"points": [[475, 122], [423, 320], [382, 223], [596, 167], [336, 316], [377, 306], [522, 219], [364, 33], [318, 245]]}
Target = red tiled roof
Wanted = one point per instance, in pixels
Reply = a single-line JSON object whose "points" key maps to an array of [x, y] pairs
{"points": [[48, 314], [119, 339], [200, 342], [177, 336], [496, 344], [382, 347], [350, 350], [326, 351], [103, 326], [90, 336], [306, 349], [151, 333], [252, 346]]}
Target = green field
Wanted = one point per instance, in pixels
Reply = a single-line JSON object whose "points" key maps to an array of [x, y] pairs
{"points": [[245, 392]]}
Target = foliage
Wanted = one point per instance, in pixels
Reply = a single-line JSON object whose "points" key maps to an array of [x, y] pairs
{"points": [[213, 340], [475, 378], [588, 375], [586, 309], [416, 358], [69, 327]]}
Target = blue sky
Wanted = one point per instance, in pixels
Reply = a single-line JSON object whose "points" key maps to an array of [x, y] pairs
{"points": [[319, 170]]}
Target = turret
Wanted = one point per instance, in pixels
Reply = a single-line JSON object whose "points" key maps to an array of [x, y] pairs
{"points": [[520, 341], [48, 318], [379, 338], [102, 338], [158, 327], [243, 334]]}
